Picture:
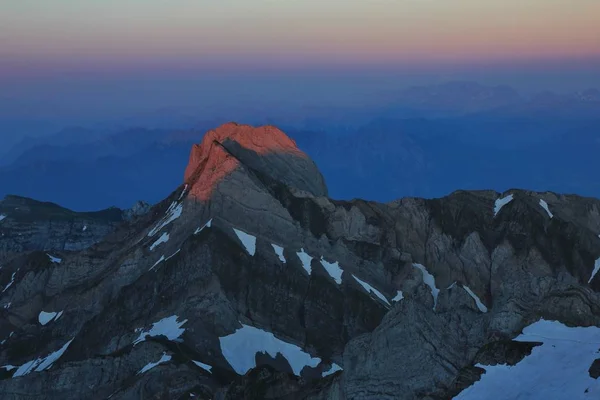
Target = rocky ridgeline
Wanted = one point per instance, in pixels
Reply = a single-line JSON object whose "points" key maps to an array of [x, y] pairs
{"points": [[247, 282], [29, 225]]}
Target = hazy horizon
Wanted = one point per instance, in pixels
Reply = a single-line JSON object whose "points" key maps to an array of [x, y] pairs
{"points": [[92, 61], [87, 97]]}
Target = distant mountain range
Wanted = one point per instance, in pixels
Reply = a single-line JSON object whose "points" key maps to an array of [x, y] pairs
{"points": [[432, 141], [454, 99], [114, 170]]}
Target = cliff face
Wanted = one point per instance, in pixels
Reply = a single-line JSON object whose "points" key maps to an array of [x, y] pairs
{"points": [[248, 282]]}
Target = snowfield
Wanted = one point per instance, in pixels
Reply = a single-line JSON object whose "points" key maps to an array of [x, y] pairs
{"points": [[46, 317], [334, 270], [164, 238], [39, 364], [53, 259], [169, 327], [429, 280], [501, 203], [544, 205], [556, 370], [173, 212], [206, 225], [595, 271], [279, 251], [165, 358], [371, 289], [240, 348], [247, 240], [478, 302], [306, 260]]}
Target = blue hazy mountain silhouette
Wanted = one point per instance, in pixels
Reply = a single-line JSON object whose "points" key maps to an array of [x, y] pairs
{"points": [[549, 142]]}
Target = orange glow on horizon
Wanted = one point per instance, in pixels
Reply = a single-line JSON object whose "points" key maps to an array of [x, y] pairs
{"points": [[354, 31]]}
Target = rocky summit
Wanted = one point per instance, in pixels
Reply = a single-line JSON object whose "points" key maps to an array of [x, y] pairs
{"points": [[248, 282]]}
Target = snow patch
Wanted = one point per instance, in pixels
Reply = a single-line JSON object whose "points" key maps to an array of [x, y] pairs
{"points": [[399, 296], [9, 336], [501, 203], [279, 251], [429, 280], [595, 271], [558, 369], [12, 280], [306, 260], [478, 302], [240, 348], [26, 368], [41, 364], [173, 212], [46, 317], [53, 357], [55, 260], [165, 358], [2, 217], [183, 192], [169, 327], [205, 367], [161, 259], [164, 238], [8, 367], [247, 240], [544, 205], [334, 270], [84, 228], [371, 289], [206, 225], [172, 255], [334, 368]]}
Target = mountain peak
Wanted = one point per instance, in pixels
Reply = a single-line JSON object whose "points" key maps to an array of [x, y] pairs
{"points": [[265, 149], [262, 140]]}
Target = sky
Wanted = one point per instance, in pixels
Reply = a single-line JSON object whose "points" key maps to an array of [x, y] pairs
{"points": [[97, 57]]}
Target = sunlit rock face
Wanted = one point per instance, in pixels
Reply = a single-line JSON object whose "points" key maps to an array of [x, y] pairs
{"points": [[265, 149]]}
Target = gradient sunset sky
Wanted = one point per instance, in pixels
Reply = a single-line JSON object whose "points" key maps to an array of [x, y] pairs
{"points": [[311, 31], [42, 41]]}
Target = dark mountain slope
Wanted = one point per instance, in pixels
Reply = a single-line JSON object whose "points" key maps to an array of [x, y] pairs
{"points": [[30, 225]]}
